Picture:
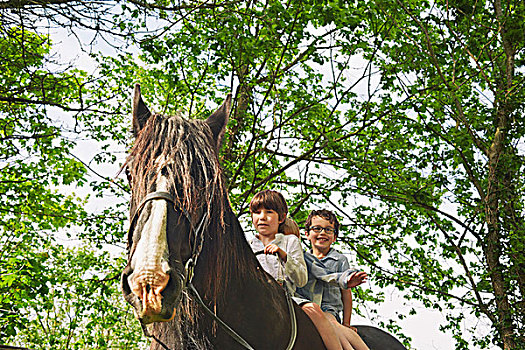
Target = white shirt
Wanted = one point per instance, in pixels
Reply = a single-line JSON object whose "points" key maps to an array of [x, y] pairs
{"points": [[294, 269]]}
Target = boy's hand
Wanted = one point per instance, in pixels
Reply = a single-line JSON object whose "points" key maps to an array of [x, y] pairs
{"points": [[357, 278], [274, 249]]}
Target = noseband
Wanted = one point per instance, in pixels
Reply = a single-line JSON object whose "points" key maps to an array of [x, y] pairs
{"points": [[190, 265]]}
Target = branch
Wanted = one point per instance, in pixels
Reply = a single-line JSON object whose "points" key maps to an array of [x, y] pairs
{"points": [[109, 180], [50, 103], [18, 4], [465, 266], [477, 141], [204, 5], [423, 288]]}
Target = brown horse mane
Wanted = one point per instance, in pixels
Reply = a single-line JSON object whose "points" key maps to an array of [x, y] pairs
{"points": [[179, 149], [185, 152]]}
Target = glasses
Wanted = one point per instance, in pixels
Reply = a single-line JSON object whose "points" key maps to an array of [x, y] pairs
{"points": [[319, 229]]}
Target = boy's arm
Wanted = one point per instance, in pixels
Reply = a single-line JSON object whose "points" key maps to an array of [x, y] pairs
{"points": [[350, 277], [346, 296], [339, 278]]}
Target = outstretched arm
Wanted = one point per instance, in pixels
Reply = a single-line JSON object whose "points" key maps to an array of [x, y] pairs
{"points": [[356, 279]]}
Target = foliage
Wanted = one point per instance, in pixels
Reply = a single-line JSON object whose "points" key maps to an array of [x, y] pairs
{"points": [[404, 117], [446, 160], [433, 143], [51, 294]]}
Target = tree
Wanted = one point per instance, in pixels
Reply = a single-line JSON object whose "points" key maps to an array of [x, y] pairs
{"points": [[49, 290], [434, 143], [401, 116], [447, 159], [58, 278]]}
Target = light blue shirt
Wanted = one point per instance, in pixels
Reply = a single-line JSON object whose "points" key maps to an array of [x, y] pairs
{"points": [[326, 277]]}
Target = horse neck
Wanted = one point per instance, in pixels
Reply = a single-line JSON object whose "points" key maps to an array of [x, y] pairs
{"points": [[231, 283], [226, 257]]}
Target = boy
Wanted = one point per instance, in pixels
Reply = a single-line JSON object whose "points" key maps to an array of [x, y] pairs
{"points": [[283, 257], [329, 274]]}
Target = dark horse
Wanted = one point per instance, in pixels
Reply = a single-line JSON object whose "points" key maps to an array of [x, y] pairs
{"points": [[183, 233], [192, 223]]}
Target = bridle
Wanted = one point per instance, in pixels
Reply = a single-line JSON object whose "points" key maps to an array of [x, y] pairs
{"points": [[190, 265], [197, 246]]}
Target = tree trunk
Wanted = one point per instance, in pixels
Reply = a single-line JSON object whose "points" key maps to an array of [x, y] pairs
{"points": [[497, 192], [239, 119]]}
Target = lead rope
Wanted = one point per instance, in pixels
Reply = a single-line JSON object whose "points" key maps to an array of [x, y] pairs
{"points": [[293, 337], [190, 265], [149, 335], [221, 323]]}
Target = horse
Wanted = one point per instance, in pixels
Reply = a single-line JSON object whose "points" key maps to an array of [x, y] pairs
{"points": [[186, 244], [191, 276]]}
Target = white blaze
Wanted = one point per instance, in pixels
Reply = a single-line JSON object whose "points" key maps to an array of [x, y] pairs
{"points": [[150, 259]]}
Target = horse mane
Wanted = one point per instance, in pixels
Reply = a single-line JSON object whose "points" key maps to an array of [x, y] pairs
{"points": [[181, 150], [184, 152]]}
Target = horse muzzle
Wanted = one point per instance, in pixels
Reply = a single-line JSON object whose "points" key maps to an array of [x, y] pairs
{"points": [[153, 293]]}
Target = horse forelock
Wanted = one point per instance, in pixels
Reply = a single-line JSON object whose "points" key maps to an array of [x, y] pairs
{"points": [[183, 151]]}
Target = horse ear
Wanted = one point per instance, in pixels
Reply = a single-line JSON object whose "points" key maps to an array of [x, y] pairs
{"points": [[141, 113], [218, 120]]}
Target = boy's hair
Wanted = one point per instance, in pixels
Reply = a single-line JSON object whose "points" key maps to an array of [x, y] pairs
{"points": [[325, 214], [269, 199]]}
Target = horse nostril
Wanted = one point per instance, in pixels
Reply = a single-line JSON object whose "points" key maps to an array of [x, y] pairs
{"points": [[148, 288]]}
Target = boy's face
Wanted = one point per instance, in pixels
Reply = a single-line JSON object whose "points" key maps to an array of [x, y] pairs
{"points": [[266, 221], [321, 234]]}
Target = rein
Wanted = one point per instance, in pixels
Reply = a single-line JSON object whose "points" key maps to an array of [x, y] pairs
{"points": [[190, 265], [293, 319]]}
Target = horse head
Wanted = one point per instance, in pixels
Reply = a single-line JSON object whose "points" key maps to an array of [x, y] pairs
{"points": [[174, 176]]}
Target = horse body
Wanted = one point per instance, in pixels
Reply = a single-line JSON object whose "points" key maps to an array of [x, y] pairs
{"points": [[183, 231], [377, 339]]}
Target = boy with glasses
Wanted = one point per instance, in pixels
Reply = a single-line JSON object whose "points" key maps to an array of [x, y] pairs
{"points": [[329, 275]]}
